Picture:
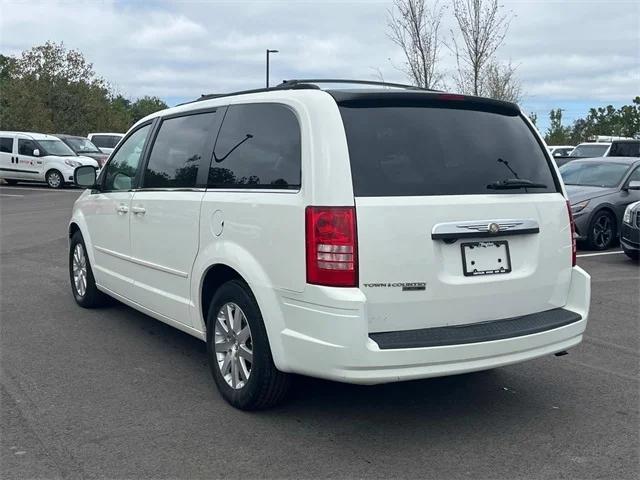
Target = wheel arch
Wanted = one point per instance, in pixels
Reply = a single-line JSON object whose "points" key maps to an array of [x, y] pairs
{"points": [[214, 277]]}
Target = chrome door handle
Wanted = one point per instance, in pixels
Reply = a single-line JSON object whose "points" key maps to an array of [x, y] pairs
{"points": [[139, 210], [122, 208]]}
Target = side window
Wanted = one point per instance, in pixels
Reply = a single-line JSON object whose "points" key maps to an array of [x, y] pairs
{"points": [[635, 176], [26, 147], [6, 145], [181, 144], [258, 147], [122, 168]]}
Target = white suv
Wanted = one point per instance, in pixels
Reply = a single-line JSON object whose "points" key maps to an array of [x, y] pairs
{"points": [[364, 236]]}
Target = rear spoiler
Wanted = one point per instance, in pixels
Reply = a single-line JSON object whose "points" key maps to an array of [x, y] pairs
{"points": [[411, 98]]}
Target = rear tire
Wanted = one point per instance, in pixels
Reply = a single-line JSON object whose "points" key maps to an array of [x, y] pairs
{"points": [[602, 230], [11, 181], [54, 179], [238, 350], [83, 285]]}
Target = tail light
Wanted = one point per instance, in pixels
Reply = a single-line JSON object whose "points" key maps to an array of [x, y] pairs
{"points": [[573, 235], [332, 246]]}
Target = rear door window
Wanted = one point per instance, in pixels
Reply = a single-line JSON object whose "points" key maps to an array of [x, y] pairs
{"points": [[258, 147], [181, 145], [438, 150], [6, 145]]}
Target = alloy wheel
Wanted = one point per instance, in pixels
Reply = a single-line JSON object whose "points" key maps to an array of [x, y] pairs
{"points": [[602, 231], [233, 345], [79, 269]]}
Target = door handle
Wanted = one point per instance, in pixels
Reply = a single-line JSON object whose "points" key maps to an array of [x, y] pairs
{"points": [[122, 208], [139, 210]]}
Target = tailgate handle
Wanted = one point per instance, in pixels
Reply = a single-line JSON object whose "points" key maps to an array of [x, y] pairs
{"points": [[484, 229]]}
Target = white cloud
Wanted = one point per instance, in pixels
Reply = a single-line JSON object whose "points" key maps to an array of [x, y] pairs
{"points": [[564, 49]]}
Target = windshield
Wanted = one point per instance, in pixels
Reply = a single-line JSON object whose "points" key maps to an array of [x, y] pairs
{"points": [[595, 150], [593, 174], [56, 147], [82, 145], [441, 150]]}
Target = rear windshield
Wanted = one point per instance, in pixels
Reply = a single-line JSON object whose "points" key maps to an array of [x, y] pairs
{"points": [[407, 150], [105, 141]]}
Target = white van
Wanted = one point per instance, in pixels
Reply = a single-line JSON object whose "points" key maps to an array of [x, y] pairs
{"points": [[36, 157], [364, 236], [106, 142]]}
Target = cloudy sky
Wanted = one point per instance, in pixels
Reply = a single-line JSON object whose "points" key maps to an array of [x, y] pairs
{"points": [[572, 54]]}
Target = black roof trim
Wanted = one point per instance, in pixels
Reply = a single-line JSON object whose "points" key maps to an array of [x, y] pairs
{"points": [[357, 98], [294, 82]]}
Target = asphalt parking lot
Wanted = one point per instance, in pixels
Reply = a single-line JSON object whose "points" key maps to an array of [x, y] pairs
{"points": [[111, 393]]}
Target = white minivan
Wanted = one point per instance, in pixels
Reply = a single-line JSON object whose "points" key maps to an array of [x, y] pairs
{"points": [[36, 157], [361, 235]]}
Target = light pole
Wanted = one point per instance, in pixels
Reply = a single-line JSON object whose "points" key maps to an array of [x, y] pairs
{"points": [[268, 52]]}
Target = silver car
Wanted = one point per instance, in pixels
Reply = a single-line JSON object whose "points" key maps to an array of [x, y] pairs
{"points": [[599, 190]]}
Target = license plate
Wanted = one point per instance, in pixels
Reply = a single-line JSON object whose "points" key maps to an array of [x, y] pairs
{"points": [[485, 258]]}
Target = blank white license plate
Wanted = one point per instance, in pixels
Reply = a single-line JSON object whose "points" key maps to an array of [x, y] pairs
{"points": [[485, 258]]}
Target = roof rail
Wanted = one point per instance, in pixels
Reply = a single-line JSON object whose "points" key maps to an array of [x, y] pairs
{"points": [[310, 84], [292, 83]]}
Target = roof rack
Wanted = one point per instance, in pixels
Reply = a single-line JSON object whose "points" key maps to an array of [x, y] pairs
{"points": [[296, 84], [300, 82]]}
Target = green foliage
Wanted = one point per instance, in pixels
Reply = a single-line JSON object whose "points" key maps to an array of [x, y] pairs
{"points": [[620, 122], [51, 89]]}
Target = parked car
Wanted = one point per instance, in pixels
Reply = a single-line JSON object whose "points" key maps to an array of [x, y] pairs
{"points": [[630, 235], [561, 150], [341, 234], [36, 157], [590, 150], [106, 142], [624, 148], [83, 146], [599, 191]]}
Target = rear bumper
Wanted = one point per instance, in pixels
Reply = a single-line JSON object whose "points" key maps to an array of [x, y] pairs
{"points": [[332, 342]]}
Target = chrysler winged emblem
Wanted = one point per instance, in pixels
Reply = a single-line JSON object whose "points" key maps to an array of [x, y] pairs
{"points": [[493, 228]]}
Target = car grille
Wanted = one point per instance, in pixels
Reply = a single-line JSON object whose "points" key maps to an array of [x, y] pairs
{"points": [[638, 219]]}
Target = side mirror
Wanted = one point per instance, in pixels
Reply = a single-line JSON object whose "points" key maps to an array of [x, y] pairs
{"points": [[85, 176], [36, 152], [633, 185]]}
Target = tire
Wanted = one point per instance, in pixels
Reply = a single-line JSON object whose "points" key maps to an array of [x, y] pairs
{"points": [[264, 386], [54, 179], [11, 181], [91, 297], [602, 230]]}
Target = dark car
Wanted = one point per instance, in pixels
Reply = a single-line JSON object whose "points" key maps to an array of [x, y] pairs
{"points": [[630, 233], [599, 191], [83, 146]]}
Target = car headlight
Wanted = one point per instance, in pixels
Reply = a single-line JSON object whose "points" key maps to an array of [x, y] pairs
{"points": [[626, 218], [73, 163], [578, 207]]}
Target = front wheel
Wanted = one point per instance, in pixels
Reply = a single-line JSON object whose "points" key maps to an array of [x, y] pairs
{"points": [[54, 179], [602, 230], [238, 350], [83, 284]]}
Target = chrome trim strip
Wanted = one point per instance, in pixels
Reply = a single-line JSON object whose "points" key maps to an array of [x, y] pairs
{"points": [[143, 263], [480, 228]]}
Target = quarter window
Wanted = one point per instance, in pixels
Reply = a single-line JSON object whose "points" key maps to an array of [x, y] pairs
{"points": [[26, 147], [121, 170], [258, 147], [181, 144], [6, 145]]}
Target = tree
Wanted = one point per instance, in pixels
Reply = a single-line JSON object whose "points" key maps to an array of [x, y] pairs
{"points": [[556, 133], [482, 28], [623, 122], [52, 89], [501, 83], [415, 28]]}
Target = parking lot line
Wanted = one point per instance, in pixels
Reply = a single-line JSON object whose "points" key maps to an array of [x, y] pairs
{"points": [[598, 254], [8, 195]]}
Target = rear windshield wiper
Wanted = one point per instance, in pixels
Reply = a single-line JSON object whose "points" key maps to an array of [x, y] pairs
{"points": [[514, 183]]}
